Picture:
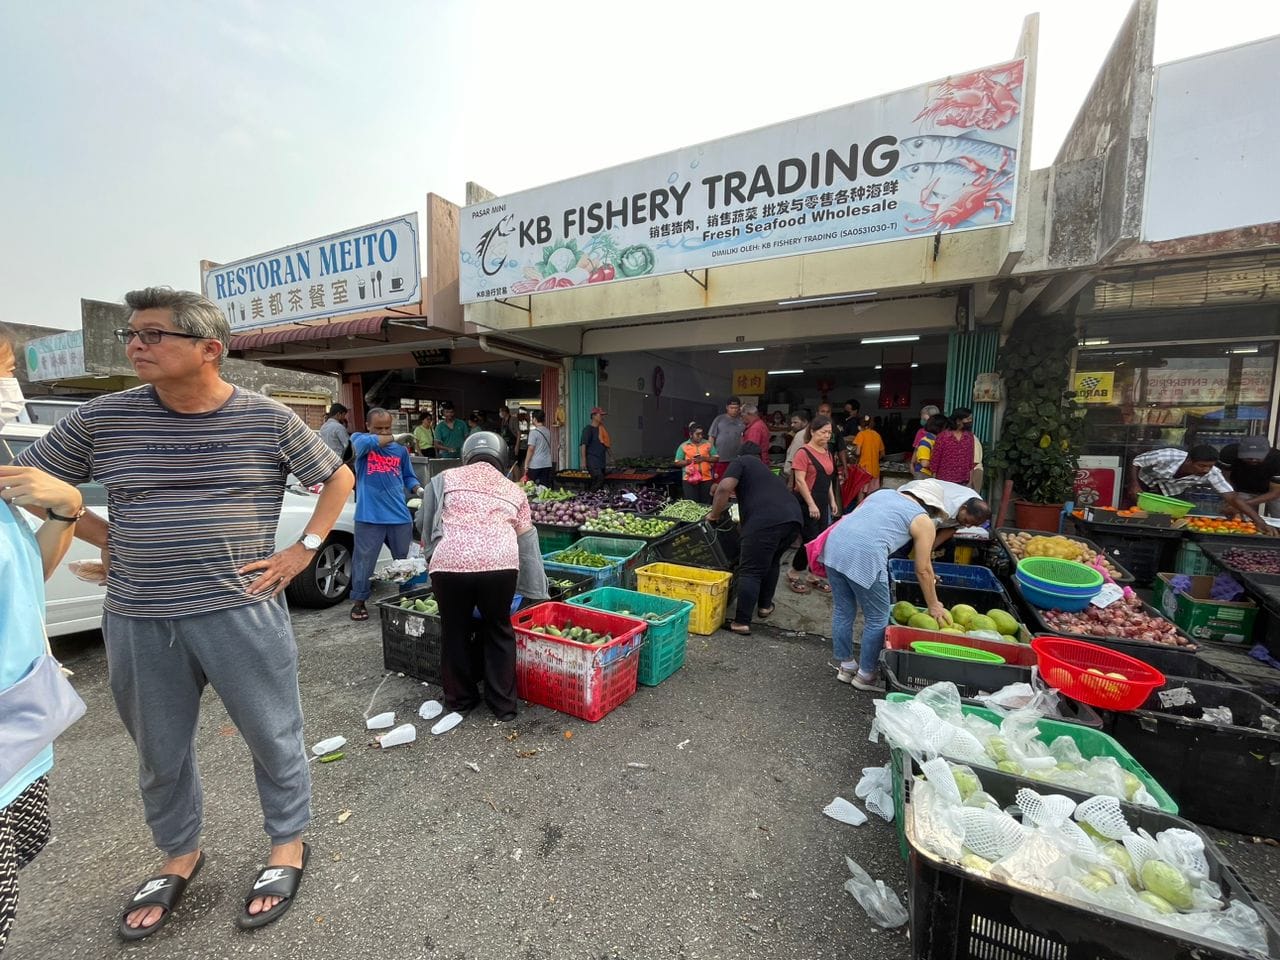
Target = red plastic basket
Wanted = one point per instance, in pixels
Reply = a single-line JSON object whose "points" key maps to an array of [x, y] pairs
{"points": [[580, 679], [1065, 665], [897, 637]]}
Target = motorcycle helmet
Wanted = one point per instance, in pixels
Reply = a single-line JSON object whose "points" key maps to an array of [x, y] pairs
{"points": [[487, 447]]}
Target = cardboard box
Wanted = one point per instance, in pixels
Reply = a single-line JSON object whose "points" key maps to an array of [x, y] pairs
{"points": [[1202, 618]]}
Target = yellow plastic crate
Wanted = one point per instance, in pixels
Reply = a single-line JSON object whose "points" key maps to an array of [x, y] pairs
{"points": [[707, 590]]}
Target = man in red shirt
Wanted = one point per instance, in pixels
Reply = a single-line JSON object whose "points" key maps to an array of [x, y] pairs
{"points": [[756, 431]]}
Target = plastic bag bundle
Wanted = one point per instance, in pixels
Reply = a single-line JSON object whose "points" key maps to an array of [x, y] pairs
{"points": [[874, 790], [880, 902], [991, 834], [1218, 715]]}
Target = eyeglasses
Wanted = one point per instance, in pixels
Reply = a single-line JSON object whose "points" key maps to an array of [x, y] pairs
{"points": [[151, 337]]}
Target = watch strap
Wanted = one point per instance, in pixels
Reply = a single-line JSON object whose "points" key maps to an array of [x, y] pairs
{"points": [[49, 514]]}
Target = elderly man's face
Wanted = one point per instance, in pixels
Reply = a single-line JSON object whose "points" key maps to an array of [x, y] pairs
{"points": [[380, 424]]}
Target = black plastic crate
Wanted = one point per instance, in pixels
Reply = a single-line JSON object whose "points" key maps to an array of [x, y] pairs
{"points": [[906, 671], [412, 642], [1010, 565], [674, 531], [1215, 551], [1171, 661], [1036, 622], [697, 545], [1227, 776], [949, 596], [956, 914], [1144, 551], [581, 584]]}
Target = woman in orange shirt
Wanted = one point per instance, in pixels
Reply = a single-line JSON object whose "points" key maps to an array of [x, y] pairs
{"points": [[694, 457], [870, 446]]}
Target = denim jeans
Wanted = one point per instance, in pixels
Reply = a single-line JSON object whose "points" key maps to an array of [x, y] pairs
{"points": [[847, 597], [369, 541]]}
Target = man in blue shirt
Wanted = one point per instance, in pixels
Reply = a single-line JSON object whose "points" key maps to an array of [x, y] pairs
{"points": [[383, 474]]}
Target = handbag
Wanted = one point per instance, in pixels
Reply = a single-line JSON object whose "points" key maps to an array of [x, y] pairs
{"points": [[34, 712], [813, 550]]}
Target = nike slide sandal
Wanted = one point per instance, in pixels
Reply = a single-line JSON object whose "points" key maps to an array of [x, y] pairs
{"points": [[280, 882], [164, 891]]}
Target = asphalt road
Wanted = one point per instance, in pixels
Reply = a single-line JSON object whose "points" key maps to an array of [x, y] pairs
{"points": [[687, 824]]}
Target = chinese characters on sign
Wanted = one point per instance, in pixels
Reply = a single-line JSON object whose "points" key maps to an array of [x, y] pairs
{"points": [[749, 382], [56, 357]]}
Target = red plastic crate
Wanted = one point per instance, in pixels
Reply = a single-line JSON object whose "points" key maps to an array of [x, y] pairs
{"points": [[1064, 664], [580, 679], [897, 637]]}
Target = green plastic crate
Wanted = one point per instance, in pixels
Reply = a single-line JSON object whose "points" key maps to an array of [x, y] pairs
{"points": [[630, 551], [1092, 743], [1194, 562], [553, 538], [668, 636]]}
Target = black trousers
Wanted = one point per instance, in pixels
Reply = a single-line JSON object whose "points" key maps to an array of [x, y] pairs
{"points": [[812, 527], [759, 567], [697, 492], [597, 475], [543, 475], [491, 655]]}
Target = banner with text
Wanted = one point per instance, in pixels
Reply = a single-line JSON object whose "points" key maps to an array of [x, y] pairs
{"points": [[355, 271], [938, 157], [59, 356]]}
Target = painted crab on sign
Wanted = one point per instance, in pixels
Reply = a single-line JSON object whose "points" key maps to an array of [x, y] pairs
{"points": [[987, 99]]}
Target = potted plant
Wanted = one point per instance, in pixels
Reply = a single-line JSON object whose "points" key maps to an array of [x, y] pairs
{"points": [[1039, 441]]}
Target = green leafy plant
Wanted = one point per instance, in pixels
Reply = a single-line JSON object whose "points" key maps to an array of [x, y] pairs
{"points": [[1039, 443]]}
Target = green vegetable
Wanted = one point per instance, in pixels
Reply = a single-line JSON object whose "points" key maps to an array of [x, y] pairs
{"points": [[1160, 904], [331, 757], [575, 557], [966, 781], [689, 511], [1118, 855], [636, 261], [1166, 881]]}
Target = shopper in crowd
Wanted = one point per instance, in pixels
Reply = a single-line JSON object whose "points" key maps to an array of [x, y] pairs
{"points": [[509, 430], [955, 502], [594, 447], [384, 473], [1252, 467], [334, 431], [483, 548], [695, 458], [450, 433], [205, 462], [424, 437], [922, 452], [770, 521], [870, 447], [725, 435], [537, 458], [756, 431], [473, 423], [815, 488], [856, 555], [927, 413], [955, 451], [27, 559], [800, 436], [1171, 472], [835, 445]]}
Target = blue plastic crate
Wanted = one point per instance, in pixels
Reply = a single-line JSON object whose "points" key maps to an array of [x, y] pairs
{"points": [[950, 574]]}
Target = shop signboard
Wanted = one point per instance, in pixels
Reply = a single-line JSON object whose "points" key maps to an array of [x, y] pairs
{"points": [[59, 356], [1207, 380], [356, 271], [749, 381], [1095, 386], [940, 157]]}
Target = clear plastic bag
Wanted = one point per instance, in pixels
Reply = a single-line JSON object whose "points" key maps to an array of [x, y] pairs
{"points": [[880, 902]]}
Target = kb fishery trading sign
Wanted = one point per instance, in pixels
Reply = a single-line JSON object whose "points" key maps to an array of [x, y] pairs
{"points": [[938, 157], [355, 271]]}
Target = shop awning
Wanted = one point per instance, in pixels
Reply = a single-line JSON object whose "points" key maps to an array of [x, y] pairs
{"points": [[323, 331]]}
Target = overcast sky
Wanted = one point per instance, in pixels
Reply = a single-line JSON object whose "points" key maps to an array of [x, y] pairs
{"points": [[140, 137]]}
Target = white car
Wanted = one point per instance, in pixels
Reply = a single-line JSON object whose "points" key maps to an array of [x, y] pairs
{"points": [[73, 605]]}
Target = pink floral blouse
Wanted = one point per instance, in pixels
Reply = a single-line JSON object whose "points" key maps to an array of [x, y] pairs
{"points": [[481, 513]]}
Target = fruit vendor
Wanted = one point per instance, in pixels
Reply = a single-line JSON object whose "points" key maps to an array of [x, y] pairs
{"points": [[383, 475], [1171, 472], [1252, 467], [695, 458], [856, 555]]}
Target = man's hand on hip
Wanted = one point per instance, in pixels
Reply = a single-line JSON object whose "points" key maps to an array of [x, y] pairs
{"points": [[277, 570]]}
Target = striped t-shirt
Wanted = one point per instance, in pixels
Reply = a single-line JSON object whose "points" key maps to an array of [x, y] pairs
{"points": [[192, 498]]}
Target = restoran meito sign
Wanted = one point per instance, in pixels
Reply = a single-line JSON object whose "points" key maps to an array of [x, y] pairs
{"points": [[368, 268], [941, 157]]}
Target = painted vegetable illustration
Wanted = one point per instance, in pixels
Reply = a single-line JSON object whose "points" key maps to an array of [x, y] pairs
{"points": [[636, 261]]}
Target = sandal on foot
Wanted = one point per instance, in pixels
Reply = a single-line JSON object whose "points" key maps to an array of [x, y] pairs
{"points": [[764, 613], [280, 882], [165, 891], [359, 612], [740, 628], [796, 586], [820, 585]]}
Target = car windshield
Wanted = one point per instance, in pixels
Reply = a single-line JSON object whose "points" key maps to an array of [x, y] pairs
{"points": [[95, 494]]}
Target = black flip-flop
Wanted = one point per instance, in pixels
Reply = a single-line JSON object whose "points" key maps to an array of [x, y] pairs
{"points": [[765, 613], [164, 890], [273, 882], [359, 614]]}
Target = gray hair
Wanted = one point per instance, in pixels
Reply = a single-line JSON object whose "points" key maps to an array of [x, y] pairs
{"points": [[192, 313], [929, 410], [376, 412], [750, 410]]}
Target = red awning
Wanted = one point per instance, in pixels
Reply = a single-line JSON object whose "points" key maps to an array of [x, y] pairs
{"points": [[322, 331]]}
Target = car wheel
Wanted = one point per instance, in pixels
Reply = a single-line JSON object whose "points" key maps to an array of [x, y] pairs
{"points": [[327, 579]]}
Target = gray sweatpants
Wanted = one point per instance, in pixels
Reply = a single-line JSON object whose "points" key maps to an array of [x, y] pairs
{"points": [[159, 669]]}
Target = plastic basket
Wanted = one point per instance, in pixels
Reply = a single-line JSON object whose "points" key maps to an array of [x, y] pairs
{"points": [[897, 637], [1118, 572], [1060, 576], [1224, 775], [908, 672], [1052, 600], [579, 583], [949, 574], [630, 552], [599, 576], [1144, 553], [666, 637], [412, 642], [949, 596], [638, 537], [1155, 503], [707, 590], [1171, 661], [1065, 665], [955, 651], [958, 914], [697, 545], [1193, 561], [553, 537], [583, 680], [1037, 623]]}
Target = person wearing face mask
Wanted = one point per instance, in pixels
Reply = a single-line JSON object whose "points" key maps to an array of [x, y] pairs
{"points": [[26, 561], [956, 451], [927, 413]]}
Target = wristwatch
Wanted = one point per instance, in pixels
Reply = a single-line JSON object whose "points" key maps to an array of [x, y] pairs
{"points": [[49, 514], [311, 541]]}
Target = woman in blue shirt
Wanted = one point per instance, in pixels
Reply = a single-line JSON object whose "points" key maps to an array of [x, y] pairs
{"points": [[26, 560]]}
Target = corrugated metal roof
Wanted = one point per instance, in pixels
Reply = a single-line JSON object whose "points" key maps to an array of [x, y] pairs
{"points": [[322, 331]]}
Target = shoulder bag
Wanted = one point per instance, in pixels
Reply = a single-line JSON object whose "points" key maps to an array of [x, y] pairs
{"points": [[33, 712]]}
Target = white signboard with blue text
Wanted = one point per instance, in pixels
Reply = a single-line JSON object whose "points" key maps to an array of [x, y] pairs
{"points": [[59, 356], [941, 157], [356, 271]]}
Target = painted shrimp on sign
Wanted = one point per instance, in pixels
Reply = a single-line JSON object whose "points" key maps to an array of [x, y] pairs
{"points": [[941, 157], [368, 268]]}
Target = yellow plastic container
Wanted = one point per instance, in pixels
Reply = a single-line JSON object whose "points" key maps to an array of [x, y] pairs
{"points": [[707, 590]]}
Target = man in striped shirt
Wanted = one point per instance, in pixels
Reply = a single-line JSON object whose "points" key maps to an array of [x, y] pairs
{"points": [[194, 469]]}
